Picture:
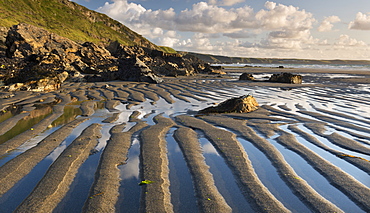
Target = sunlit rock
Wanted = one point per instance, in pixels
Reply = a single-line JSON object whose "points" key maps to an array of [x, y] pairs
{"points": [[242, 104]]}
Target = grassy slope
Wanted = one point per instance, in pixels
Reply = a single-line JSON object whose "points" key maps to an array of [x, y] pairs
{"points": [[70, 20], [167, 49]]}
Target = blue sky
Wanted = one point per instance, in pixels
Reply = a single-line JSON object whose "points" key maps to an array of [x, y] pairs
{"points": [[315, 29]]}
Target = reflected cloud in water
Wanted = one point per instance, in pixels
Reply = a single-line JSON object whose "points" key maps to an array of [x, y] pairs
{"points": [[55, 154], [208, 148], [131, 168]]}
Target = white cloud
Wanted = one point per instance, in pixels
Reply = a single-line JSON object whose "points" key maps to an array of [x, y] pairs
{"points": [[169, 39], [345, 41], [276, 31], [282, 16], [207, 18], [240, 34], [362, 22], [163, 38], [327, 23]]}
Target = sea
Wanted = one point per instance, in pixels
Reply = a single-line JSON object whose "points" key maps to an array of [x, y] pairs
{"points": [[306, 66]]}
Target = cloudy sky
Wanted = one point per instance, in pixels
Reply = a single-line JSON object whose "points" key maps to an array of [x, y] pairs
{"points": [[315, 29]]}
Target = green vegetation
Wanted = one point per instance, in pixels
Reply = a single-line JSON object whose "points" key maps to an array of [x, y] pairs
{"points": [[69, 20], [167, 49]]}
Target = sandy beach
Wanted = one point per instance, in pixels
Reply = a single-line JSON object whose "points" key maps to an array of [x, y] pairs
{"points": [[137, 147]]}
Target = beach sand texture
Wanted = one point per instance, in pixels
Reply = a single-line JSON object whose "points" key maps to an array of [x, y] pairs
{"points": [[138, 147]]}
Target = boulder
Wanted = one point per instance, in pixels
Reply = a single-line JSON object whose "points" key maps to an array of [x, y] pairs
{"points": [[242, 104], [246, 77], [286, 78], [216, 70]]}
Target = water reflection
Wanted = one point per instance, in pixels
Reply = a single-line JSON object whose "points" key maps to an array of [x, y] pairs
{"points": [[208, 148], [131, 168], [271, 179], [360, 175], [25, 124], [70, 113], [181, 185], [316, 180], [129, 199], [224, 179]]}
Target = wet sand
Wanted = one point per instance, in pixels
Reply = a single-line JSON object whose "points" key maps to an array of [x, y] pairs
{"points": [[321, 125]]}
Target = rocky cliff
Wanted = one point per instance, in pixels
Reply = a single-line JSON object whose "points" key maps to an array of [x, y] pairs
{"points": [[39, 60]]}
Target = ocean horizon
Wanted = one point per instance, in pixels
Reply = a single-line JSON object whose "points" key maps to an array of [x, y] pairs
{"points": [[305, 66]]}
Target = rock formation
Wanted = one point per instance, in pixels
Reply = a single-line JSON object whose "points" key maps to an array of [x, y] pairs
{"points": [[168, 64], [286, 78], [38, 60], [242, 104], [136, 70], [246, 77]]}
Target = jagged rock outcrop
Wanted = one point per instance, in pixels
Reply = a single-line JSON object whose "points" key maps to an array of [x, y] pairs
{"points": [[35, 55], [161, 63], [246, 77], [286, 78], [136, 70], [38, 45], [242, 104]]}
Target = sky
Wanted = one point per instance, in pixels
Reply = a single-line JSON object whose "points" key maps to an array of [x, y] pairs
{"points": [[315, 29]]}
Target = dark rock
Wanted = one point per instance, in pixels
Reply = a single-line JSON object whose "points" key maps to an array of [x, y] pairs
{"points": [[216, 67], [246, 77], [216, 70], [168, 64], [286, 78], [133, 69], [242, 104]]}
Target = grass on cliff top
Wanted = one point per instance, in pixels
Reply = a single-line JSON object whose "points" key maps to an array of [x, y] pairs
{"points": [[167, 49], [69, 20]]}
